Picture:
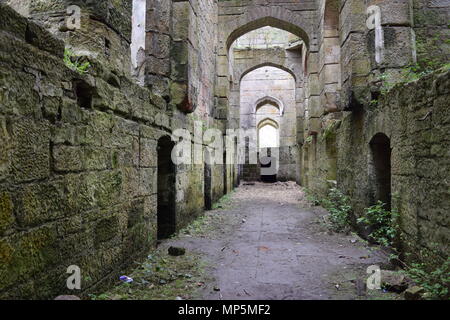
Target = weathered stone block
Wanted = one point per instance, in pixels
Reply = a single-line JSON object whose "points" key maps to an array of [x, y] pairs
{"points": [[12, 22], [158, 45], [96, 159], [106, 229], [68, 158], [6, 212], [40, 203], [30, 157], [147, 156], [23, 257]]}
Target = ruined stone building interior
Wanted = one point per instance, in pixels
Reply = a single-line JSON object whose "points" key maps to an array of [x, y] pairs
{"points": [[312, 137]]}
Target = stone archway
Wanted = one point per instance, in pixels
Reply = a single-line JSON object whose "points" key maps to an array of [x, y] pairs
{"points": [[300, 24], [293, 69], [293, 60], [272, 101], [380, 169], [275, 16], [273, 124]]}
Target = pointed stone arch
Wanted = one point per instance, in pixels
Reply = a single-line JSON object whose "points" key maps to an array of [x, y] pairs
{"points": [[166, 192], [380, 169], [299, 23], [268, 121], [271, 123], [269, 100], [257, 17], [254, 65]]}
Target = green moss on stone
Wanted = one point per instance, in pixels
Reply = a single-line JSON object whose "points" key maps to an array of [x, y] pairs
{"points": [[6, 252], [20, 260], [177, 92], [107, 229], [6, 211]]}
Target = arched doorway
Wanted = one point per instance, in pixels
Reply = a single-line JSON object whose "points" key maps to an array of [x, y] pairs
{"points": [[380, 173], [207, 180], [268, 134], [274, 41], [268, 106], [276, 19], [225, 166], [166, 220], [268, 146]]}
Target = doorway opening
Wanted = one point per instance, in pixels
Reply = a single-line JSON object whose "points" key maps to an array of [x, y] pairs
{"points": [[380, 147], [207, 180], [166, 222]]}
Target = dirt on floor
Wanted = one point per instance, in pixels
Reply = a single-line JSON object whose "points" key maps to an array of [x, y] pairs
{"points": [[262, 241]]}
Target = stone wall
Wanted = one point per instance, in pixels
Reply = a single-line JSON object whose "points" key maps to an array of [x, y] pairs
{"points": [[104, 34], [78, 166], [338, 141], [415, 118], [345, 74], [431, 30]]}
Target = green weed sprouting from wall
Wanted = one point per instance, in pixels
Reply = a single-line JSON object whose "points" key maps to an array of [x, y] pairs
{"points": [[73, 62], [339, 208], [432, 273], [309, 139], [329, 130], [387, 83], [434, 280], [384, 223], [426, 64], [311, 198], [432, 276]]}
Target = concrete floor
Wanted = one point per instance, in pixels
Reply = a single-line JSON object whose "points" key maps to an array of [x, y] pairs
{"points": [[268, 243]]}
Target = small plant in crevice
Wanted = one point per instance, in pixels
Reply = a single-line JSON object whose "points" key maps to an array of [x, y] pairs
{"points": [[387, 83], [74, 62], [223, 202], [435, 280], [429, 271], [382, 222], [339, 208], [311, 198], [329, 129], [410, 73], [446, 67]]}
